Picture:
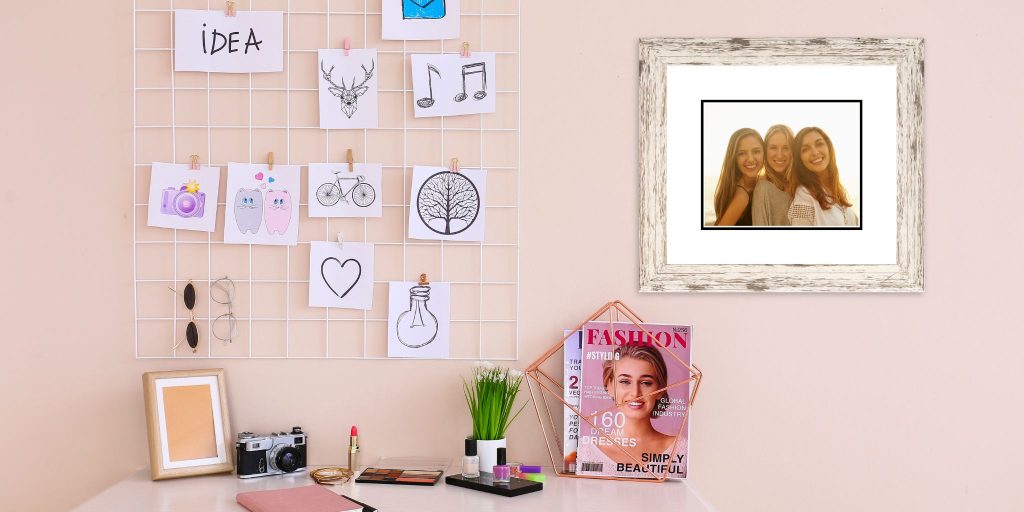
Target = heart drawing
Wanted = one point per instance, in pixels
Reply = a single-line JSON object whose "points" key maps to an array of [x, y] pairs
{"points": [[259, 176], [339, 273]]}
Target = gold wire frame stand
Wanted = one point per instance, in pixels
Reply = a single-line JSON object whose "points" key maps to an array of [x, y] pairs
{"points": [[616, 310]]}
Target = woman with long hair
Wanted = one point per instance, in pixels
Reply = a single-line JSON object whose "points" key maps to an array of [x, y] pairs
{"points": [[744, 158], [819, 198], [772, 192], [636, 381]]}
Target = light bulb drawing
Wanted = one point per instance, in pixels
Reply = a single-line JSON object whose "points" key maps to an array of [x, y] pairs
{"points": [[417, 327]]}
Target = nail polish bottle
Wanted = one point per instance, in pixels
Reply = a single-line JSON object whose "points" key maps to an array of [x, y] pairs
{"points": [[470, 462], [502, 473]]}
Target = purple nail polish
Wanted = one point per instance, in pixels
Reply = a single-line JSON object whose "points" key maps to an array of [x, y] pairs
{"points": [[502, 473]]}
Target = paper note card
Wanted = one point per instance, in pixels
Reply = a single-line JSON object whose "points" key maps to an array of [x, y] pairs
{"points": [[447, 205], [420, 19], [419, 318], [341, 276], [181, 198], [336, 192], [446, 84], [348, 88], [262, 204], [248, 42]]}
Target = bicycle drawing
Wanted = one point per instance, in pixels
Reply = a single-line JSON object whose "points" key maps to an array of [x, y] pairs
{"points": [[361, 193]]}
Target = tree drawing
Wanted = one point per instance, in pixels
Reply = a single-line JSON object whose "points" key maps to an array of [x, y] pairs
{"points": [[448, 203]]}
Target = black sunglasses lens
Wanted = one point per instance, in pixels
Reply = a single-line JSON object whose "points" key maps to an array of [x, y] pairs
{"points": [[192, 334], [190, 296]]}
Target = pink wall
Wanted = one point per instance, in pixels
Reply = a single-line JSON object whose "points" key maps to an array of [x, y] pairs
{"points": [[811, 402]]}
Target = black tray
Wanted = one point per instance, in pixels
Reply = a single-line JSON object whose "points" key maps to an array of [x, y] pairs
{"points": [[485, 483]]}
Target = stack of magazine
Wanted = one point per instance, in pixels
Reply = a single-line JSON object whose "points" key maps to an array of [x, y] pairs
{"points": [[613, 374]]}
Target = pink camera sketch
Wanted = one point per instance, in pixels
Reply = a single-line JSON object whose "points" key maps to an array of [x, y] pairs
{"points": [[182, 202]]}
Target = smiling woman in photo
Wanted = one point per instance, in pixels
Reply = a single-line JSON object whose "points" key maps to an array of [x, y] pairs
{"points": [[744, 158], [772, 192], [632, 380], [820, 199]]}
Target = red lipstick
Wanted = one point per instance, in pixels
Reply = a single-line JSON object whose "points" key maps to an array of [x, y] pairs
{"points": [[353, 449]]}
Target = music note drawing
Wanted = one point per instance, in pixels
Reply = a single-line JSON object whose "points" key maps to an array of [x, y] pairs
{"points": [[429, 101], [438, 92], [477, 68]]}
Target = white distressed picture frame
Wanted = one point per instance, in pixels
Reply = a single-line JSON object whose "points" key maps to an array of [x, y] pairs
{"points": [[905, 275]]}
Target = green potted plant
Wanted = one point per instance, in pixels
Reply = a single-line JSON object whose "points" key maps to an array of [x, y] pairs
{"points": [[490, 395]]}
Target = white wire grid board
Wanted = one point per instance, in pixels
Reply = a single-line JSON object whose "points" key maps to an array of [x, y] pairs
{"points": [[241, 117]]}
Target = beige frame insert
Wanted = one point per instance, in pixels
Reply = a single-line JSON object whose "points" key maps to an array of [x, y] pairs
{"points": [[172, 420]]}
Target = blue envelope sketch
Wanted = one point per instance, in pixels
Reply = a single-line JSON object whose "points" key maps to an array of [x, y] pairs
{"points": [[422, 9]]}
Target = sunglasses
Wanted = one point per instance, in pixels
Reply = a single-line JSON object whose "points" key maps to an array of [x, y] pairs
{"points": [[191, 330]]}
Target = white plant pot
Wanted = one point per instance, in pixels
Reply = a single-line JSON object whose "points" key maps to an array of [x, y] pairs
{"points": [[488, 453]]}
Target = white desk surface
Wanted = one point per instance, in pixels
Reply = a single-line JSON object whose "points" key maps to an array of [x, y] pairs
{"points": [[216, 493]]}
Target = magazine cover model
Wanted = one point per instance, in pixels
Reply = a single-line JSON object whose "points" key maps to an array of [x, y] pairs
{"points": [[632, 405]]}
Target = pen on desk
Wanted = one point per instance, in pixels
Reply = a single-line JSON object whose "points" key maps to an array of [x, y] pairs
{"points": [[353, 449]]}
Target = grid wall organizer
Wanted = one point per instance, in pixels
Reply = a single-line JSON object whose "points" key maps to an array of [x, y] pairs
{"points": [[243, 117]]}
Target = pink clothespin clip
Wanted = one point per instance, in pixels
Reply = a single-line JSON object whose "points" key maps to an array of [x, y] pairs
{"points": [[465, 50], [229, 9], [346, 45], [194, 164], [455, 165]]}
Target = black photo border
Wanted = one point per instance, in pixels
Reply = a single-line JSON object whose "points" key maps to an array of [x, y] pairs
{"points": [[860, 174]]}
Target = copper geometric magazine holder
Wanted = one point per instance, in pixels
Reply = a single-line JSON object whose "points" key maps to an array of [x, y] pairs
{"points": [[535, 375]]}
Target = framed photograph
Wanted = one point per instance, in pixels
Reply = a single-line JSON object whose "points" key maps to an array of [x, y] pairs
{"points": [[188, 423], [781, 165]]}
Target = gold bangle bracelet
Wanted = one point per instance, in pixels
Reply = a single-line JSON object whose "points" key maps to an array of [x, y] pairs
{"points": [[332, 476]]}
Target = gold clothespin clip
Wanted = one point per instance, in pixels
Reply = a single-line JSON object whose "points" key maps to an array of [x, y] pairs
{"points": [[351, 166], [455, 165], [423, 280], [270, 161], [465, 49], [229, 9], [194, 164]]}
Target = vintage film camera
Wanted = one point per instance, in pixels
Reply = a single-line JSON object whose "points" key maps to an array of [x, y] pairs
{"points": [[275, 454]]}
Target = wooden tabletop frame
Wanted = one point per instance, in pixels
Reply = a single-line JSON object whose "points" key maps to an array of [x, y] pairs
{"points": [[196, 428]]}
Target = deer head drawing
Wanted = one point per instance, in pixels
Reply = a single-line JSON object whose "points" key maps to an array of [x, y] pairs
{"points": [[349, 96]]}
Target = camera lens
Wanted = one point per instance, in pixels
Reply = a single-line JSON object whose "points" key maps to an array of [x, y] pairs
{"points": [[185, 203], [288, 459]]}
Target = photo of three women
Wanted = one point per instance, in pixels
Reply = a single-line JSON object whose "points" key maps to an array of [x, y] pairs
{"points": [[782, 180]]}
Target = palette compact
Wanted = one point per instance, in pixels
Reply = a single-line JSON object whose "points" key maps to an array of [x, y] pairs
{"points": [[399, 476]]}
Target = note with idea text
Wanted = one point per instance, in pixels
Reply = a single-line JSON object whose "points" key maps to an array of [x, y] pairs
{"points": [[248, 42]]}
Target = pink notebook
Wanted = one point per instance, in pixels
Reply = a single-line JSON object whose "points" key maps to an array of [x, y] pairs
{"points": [[311, 498]]}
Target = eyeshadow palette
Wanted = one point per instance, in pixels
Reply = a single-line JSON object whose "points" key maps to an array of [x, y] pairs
{"points": [[399, 476]]}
